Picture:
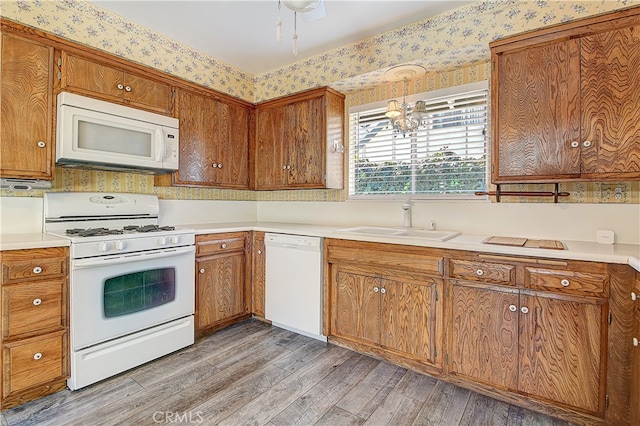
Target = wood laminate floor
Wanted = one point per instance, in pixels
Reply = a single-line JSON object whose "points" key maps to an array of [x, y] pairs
{"points": [[255, 374]]}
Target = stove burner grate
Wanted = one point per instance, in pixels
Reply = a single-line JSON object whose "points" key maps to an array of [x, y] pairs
{"points": [[92, 232], [149, 228]]}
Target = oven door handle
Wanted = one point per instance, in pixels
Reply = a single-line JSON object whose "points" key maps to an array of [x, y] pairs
{"points": [[131, 257]]}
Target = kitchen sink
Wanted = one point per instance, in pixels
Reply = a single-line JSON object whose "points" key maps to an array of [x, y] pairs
{"points": [[420, 233]]}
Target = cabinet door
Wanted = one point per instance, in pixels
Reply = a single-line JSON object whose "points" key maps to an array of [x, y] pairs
{"points": [[635, 363], [409, 316], [220, 289], [610, 104], [231, 136], [26, 142], [258, 273], [563, 350], [197, 151], [484, 335], [357, 305], [537, 113], [270, 159], [141, 92], [88, 77], [304, 138]]}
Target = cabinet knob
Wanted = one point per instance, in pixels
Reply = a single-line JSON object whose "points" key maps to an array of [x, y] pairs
{"points": [[220, 165], [383, 290], [259, 251], [202, 270], [586, 144], [634, 296], [284, 167], [479, 272], [575, 144], [37, 270], [127, 89], [37, 302], [635, 341], [41, 144], [214, 165], [37, 356], [513, 308], [288, 167], [224, 245], [524, 310], [120, 86], [565, 282], [376, 289]]}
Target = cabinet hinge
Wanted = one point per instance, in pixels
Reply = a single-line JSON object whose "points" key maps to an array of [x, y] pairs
{"points": [[437, 296], [609, 317], [59, 61], [59, 75], [435, 352], [446, 358], [448, 291], [606, 401]]}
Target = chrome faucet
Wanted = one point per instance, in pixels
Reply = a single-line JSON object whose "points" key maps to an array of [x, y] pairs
{"points": [[407, 213]]}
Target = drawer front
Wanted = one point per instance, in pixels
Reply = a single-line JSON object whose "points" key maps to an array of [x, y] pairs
{"points": [[211, 244], [30, 308], [33, 362], [567, 281], [34, 268], [497, 273]]}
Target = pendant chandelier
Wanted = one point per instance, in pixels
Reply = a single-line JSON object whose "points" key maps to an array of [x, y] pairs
{"points": [[404, 118]]}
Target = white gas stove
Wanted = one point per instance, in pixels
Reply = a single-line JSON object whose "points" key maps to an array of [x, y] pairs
{"points": [[132, 281]]}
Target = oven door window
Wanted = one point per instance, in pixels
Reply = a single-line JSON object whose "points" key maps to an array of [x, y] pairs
{"points": [[138, 291]]}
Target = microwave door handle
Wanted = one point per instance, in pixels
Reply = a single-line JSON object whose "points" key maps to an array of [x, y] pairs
{"points": [[160, 145]]}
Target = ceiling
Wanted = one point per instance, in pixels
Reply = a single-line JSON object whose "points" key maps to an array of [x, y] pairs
{"points": [[243, 33]]}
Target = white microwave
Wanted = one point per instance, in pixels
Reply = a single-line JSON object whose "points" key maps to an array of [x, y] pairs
{"points": [[96, 134]]}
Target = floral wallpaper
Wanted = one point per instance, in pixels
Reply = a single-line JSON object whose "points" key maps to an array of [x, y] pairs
{"points": [[453, 47]]}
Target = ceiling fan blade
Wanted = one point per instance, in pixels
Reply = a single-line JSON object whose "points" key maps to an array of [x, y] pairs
{"points": [[318, 13]]}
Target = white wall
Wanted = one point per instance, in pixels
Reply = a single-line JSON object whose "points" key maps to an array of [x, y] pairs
{"points": [[557, 221], [551, 221]]}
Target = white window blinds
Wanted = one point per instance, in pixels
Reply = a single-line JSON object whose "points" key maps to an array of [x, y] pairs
{"points": [[446, 155]]}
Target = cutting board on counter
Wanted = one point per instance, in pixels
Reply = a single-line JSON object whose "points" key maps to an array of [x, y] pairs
{"points": [[525, 242]]}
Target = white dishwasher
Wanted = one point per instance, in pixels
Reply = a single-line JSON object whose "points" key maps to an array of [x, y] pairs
{"points": [[293, 288]]}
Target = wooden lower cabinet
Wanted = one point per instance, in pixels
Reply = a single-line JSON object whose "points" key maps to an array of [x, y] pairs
{"points": [[635, 356], [550, 335], [384, 308], [530, 343], [35, 329], [258, 274], [222, 280]]}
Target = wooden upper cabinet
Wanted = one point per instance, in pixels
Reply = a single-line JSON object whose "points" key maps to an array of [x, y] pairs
{"points": [[85, 76], [296, 140], [26, 97], [214, 142], [565, 102]]}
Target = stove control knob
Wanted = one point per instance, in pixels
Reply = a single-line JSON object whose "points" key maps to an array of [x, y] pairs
{"points": [[104, 246], [162, 241], [121, 245], [175, 239]]}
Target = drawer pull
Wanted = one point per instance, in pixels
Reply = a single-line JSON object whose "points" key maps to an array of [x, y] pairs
{"points": [[37, 356], [127, 88], [37, 302], [383, 290], [635, 341], [575, 144], [376, 289], [41, 144], [524, 310], [202, 271], [37, 270], [513, 308], [224, 245], [634, 296], [259, 251], [479, 272], [565, 282], [120, 86]]}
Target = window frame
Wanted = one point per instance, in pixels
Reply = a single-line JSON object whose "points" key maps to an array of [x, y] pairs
{"points": [[448, 91]]}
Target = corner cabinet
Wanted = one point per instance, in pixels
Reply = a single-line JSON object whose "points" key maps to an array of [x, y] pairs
{"points": [[35, 324], [222, 280], [566, 102], [26, 97], [86, 76], [385, 301], [214, 142], [299, 141]]}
